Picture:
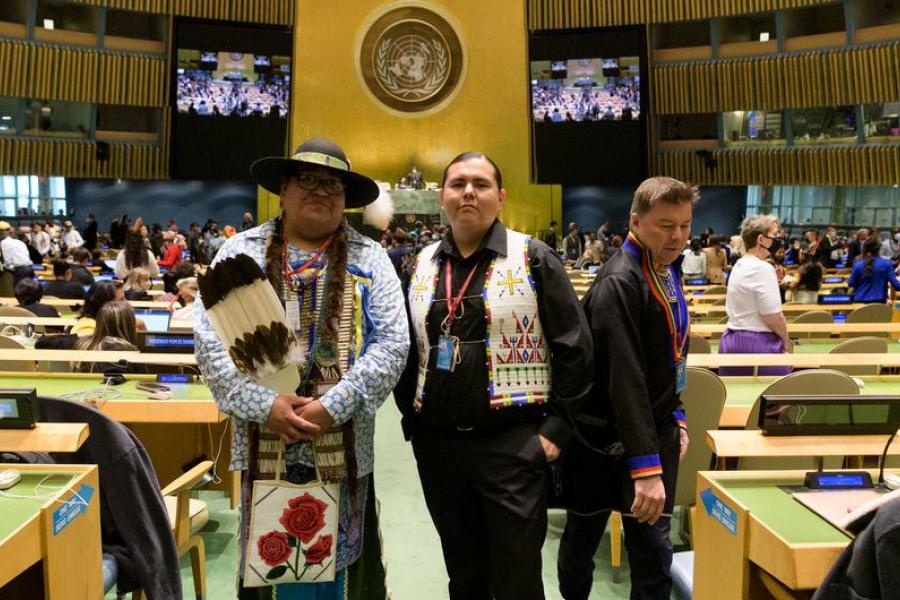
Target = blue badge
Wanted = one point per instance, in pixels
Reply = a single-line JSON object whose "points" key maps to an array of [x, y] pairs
{"points": [[446, 353], [719, 511], [72, 507], [680, 377]]}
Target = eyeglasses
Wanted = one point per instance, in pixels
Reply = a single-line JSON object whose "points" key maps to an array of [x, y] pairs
{"points": [[310, 182]]}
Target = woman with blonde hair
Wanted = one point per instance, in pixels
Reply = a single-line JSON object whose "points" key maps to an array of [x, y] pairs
{"points": [[187, 292], [138, 284]]}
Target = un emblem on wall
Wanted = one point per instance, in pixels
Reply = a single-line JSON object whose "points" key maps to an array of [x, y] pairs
{"points": [[411, 59]]}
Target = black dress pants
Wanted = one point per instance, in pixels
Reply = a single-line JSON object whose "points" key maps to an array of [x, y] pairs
{"points": [[486, 495], [649, 546]]}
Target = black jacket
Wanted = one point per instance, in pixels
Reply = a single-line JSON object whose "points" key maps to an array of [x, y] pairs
{"points": [[134, 522], [633, 372], [67, 290], [869, 569]]}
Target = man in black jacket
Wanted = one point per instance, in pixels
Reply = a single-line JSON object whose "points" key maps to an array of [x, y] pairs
{"points": [[632, 433], [63, 286], [498, 367]]}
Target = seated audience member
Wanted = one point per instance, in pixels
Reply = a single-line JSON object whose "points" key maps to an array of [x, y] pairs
{"points": [[98, 295], [135, 255], [116, 330], [172, 254], [138, 284], [182, 270], [716, 260], [29, 294], [871, 275], [63, 286], [97, 260], [756, 323], [80, 272], [187, 293], [809, 281], [694, 264]]}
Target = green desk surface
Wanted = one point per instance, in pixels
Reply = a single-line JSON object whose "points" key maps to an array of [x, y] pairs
{"points": [[49, 385], [746, 393], [778, 510], [14, 512]]}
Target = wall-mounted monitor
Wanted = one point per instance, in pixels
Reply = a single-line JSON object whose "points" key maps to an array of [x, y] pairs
{"points": [[588, 106], [231, 97]]}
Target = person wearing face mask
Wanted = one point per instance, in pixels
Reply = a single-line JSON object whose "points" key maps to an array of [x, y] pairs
{"points": [[756, 323]]}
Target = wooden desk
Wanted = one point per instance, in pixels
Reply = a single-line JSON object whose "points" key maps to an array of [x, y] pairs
{"points": [[110, 356], [796, 360], [45, 321], [742, 393], [45, 437], [788, 308], [8, 301], [708, 329], [742, 443], [173, 431], [71, 551], [744, 522]]}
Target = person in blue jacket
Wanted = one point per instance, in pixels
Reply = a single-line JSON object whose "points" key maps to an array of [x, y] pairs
{"points": [[871, 275]]}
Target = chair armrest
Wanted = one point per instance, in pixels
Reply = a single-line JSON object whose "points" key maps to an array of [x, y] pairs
{"points": [[189, 479]]}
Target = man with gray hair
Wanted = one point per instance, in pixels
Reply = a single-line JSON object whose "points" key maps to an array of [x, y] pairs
{"points": [[632, 433]]}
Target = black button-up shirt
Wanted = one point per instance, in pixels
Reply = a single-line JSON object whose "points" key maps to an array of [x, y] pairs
{"points": [[459, 400]]}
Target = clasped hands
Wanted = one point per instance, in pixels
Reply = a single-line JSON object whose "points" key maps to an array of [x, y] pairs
{"points": [[298, 418]]}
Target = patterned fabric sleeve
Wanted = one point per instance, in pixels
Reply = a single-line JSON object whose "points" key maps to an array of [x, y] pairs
{"points": [[375, 373]]}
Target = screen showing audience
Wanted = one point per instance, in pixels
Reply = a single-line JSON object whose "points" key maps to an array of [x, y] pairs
{"points": [[231, 97], [588, 106]]}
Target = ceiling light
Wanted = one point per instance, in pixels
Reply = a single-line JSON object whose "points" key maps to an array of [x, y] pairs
{"points": [[764, 36], [48, 23]]}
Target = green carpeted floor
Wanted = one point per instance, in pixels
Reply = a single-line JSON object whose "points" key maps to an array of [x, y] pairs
{"points": [[415, 569]]}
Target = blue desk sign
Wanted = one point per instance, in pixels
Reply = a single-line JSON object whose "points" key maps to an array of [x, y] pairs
{"points": [[719, 511], [71, 508]]}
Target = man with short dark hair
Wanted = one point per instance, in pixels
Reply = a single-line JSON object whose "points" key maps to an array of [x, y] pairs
{"points": [[499, 365], [80, 273], [63, 286], [15, 256], [633, 431]]}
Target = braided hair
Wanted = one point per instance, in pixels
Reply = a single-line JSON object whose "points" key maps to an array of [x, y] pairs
{"points": [[870, 251]]}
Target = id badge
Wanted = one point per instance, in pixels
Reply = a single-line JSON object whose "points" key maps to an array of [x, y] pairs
{"points": [[680, 377], [292, 312], [445, 355]]}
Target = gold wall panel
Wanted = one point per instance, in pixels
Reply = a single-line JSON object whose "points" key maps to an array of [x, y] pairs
{"points": [[77, 158], [868, 165], [571, 14], [490, 112], [823, 78], [29, 70], [275, 12]]}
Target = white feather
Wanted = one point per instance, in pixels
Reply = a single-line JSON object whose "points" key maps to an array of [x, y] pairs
{"points": [[380, 212]]}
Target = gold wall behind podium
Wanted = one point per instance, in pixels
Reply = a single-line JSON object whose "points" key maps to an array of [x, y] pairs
{"points": [[490, 112]]}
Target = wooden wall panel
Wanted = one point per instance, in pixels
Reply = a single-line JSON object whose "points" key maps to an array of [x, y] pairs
{"points": [[274, 12], [836, 165], [569, 14], [841, 77], [77, 158]]}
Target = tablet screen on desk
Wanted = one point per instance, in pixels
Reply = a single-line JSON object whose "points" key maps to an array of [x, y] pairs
{"points": [[157, 321]]}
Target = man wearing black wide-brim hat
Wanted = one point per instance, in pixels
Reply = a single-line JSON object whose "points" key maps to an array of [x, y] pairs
{"points": [[344, 304]]}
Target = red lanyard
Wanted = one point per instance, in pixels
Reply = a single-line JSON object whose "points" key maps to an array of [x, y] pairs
{"points": [[453, 304], [288, 273]]}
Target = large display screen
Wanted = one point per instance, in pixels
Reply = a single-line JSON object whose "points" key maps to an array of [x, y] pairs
{"points": [[586, 89], [233, 84], [231, 98], [588, 106]]}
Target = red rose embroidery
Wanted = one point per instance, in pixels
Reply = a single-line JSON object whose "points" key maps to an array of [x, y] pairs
{"points": [[319, 551], [273, 548], [305, 517]]}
